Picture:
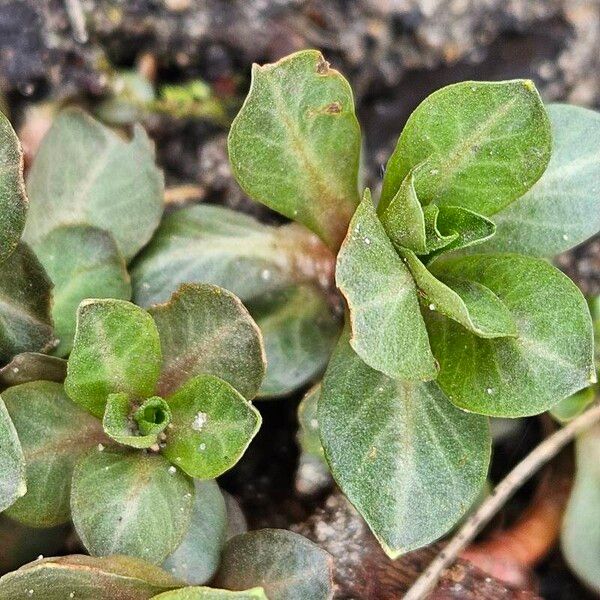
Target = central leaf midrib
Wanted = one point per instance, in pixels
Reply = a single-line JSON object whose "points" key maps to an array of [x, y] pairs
{"points": [[331, 198], [456, 159]]}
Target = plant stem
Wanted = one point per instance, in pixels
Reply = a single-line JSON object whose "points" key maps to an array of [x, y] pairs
{"points": [[539, 456], [180, 194]]}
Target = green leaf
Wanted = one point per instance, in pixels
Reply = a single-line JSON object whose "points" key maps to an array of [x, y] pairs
{"points": [[308, 433], [205, 329], [152, 416], [212, 425], [388, 332], [299, 331], [572, 406], [197, 558], [403, 218], [580, 537], [236, 521], [295, 144], [54, 433], [86, 578], [285, 564], [461, 227], [212, 244], [85, 174], [563, 208], [25, 321], [435, 239], [32, 366], [205, 593], [130, 503], [551, 357], [132, 94], [12, 462], [138, 427], [116, 349], [469, 303], [13, 200], [409, 461], [83, 262], [484, 144]]}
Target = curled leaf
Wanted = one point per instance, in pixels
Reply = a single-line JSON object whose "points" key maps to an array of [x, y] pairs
{"points": [[461, 228], [403, 217], [551, 356], [435, 240], [469, 303], [136, 427]]}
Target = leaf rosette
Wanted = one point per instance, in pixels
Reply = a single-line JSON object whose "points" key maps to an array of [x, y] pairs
{"points": [[150, 401], [445, 324]]}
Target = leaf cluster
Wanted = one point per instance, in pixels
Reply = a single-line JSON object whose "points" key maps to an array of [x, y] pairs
{"points": [[127, 437], [268, 564], [448, 312], [452, 312]]}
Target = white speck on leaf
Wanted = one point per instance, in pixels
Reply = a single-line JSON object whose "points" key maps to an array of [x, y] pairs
{"points": [[100, 447], [199, 421], [490, 391], [432, 306], [202, 447], [172, 470]]}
